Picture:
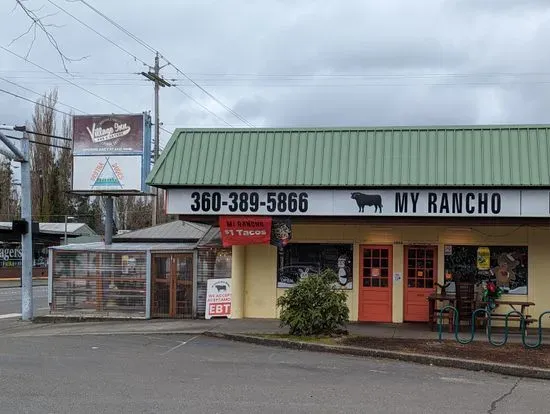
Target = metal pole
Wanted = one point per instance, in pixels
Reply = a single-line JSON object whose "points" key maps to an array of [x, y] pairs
{"points": [[109, 220], [26, 239], [157, 138], [65, 230]]}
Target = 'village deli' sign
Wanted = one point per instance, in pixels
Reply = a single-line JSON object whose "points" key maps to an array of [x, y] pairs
{"points": [[360, 202], [93, 134]]}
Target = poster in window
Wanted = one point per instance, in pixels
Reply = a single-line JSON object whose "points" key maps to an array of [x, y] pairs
{"points": [[505, 265], [299, 260]]}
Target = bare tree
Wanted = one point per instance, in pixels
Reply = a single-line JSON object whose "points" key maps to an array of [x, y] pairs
{"points": [[38, 24], [8, 194], [42, 156]]}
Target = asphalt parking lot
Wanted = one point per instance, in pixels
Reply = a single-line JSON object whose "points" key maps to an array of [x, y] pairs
{"points": [[195, 374]]}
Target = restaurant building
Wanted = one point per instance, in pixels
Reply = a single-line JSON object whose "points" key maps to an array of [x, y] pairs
{"points": [[394, 211]]}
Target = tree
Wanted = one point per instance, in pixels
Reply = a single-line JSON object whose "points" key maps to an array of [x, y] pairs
{"points": [[314, 306], [43, 172], [38, 24], [8, 195]]}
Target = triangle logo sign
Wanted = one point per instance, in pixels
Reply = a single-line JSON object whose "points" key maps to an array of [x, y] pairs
{"points": [[109, 176]]}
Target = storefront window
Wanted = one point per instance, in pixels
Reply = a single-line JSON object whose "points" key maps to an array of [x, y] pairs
{"points": [[299, 260], [506, 265]]}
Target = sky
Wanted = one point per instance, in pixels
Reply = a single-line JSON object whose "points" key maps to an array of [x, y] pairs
{"points": [[300, 63]]}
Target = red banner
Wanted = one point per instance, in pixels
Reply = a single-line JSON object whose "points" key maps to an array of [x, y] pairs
{"points": [[245, 230]]}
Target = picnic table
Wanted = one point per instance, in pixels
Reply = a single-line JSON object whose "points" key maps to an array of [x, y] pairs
{"points": [[523, 305]]}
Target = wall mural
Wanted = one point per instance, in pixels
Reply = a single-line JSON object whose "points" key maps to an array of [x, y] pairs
{"points": [[505, 265], [299, 260]]}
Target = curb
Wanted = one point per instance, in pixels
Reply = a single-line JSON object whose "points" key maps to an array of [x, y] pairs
{"points": [[72, 319], [472, 365]]}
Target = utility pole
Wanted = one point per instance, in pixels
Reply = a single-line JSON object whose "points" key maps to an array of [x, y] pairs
{"points": [[155, 77], [22, 156], [26, 238]]}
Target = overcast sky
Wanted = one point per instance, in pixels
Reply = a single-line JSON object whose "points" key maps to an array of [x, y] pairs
{"points": [[292, 63]]}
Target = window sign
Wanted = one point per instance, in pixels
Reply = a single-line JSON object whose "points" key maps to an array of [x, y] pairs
{"points": [[506, 265], [299, 260]]}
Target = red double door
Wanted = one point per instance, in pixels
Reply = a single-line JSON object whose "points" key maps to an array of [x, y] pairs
{"points": [[376, 282]]}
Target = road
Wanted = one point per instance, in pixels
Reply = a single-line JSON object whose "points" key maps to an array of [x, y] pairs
{"points": [[10, 301], [194, 374]]}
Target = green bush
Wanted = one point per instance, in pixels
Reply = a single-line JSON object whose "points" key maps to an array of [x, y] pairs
{"points": [[314, 306]]}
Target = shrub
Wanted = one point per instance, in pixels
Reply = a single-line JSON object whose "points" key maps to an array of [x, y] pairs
{"points": [[314, 306]]}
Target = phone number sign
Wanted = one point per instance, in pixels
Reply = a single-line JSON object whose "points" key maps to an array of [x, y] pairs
{"points": [[254, 202]]}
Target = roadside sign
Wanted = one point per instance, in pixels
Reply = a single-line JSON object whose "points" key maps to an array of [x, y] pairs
{"points": [[218, 298]]}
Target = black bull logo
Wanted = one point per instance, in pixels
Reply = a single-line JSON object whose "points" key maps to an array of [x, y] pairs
{"points": [[363, 200]]}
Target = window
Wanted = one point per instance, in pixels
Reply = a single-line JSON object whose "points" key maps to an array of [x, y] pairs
{"points": [[506, 265], [299, 260]]}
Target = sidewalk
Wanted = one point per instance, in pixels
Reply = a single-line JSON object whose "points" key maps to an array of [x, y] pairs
{"points": [[44, 327], [16, 282]]}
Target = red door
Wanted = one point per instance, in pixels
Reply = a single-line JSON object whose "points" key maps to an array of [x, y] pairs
{"points": [[375, 290], [420, 278]]}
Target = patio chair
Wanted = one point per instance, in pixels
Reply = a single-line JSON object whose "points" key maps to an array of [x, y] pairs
{"points": [[465, 302]]}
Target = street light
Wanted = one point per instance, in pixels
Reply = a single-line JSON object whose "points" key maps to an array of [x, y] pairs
{"points": [[66, 219]]}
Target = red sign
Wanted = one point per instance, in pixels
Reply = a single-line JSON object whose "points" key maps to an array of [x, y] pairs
{"points": [[219, 309], [245, 230]]}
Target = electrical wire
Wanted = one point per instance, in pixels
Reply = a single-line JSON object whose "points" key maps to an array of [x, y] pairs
{"points": [[39, 143], [203, 106], [48, 135], [33, 102], [96, 32], [316, 75], [137, 39], [231, 111], [39, 94], [151, 49], [63, 79]]}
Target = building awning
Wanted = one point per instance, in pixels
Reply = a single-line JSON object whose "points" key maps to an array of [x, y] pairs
{"points": [[453, 156]]}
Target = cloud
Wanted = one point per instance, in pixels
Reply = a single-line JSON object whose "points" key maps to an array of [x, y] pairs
{"points": [[304, 63]]}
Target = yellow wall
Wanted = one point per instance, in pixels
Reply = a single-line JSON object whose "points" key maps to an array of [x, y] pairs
{"points": [[260, 260]]}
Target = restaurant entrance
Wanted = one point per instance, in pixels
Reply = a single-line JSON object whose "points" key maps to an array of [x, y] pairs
{"points": [[420, 278], [172, 285]]}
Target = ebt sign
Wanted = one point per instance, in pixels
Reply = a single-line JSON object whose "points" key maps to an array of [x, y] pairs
{"points": [[218, 298]]}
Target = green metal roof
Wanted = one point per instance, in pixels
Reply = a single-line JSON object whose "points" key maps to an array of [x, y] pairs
{"points": [[509, 155]]}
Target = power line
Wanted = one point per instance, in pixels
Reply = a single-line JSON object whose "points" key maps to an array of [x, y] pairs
{"points": [[33, 102], [202, 106], [39, 94], [40, 143], [210, 95], [63, 79], [96, 32], [48, 135], [151, 49], [137, 39]]}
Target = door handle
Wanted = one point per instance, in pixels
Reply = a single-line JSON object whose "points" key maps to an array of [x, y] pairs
{"points": [[420, 294]]}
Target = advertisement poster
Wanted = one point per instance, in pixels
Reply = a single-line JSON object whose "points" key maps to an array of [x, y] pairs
{"points": [[507, 266], [300, 260], [281, 231], [245, 230], [107, 173], [95, 134], [218, 298]]}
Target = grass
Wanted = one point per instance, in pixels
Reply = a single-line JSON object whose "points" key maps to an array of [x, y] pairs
{"points": [[327, 340]]}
